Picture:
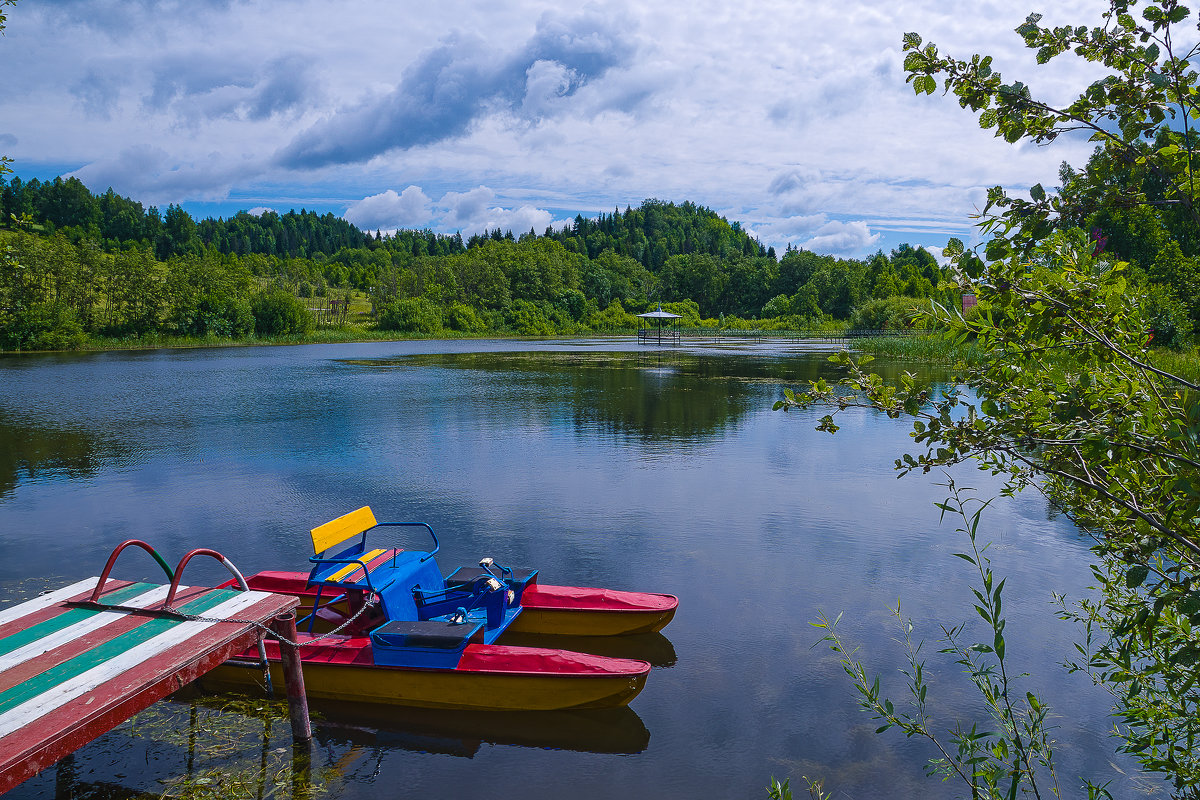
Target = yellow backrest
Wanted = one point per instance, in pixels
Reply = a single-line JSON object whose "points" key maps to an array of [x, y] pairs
{"points": [[339, 530]]}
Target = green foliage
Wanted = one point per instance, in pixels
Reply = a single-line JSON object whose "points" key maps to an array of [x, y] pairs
{"points": [[461, 317], [51, 326], [528, 319], [573, 302], [278, 312], [128, 272], [883, 314], [411, 315], [1009, 754], [209, 296], [688, 310], [613, 318], [1134, 112], [1070, 405], [1166, 317], [656, 231]]}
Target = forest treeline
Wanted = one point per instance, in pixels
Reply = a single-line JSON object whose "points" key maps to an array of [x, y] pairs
{"points": [[75, 266], [78, 266]]}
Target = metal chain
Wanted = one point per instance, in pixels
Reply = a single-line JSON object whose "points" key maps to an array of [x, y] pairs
{"points": [[255, 623]]}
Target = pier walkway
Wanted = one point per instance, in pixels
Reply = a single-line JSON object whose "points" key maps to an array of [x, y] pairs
{"points": [[72, 669]]}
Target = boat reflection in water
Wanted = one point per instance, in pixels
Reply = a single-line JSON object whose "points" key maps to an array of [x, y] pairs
{"points": [[462, 733], [205, 738]]}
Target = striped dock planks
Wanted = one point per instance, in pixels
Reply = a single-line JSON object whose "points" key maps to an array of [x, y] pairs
{"points": [[69, 673]]}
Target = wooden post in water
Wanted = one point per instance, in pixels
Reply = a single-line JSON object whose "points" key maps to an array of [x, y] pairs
{"points": [[284, 626]]}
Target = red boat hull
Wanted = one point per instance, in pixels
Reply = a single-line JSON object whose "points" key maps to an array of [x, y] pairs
{"points": [[493, 677], [545, 609]]}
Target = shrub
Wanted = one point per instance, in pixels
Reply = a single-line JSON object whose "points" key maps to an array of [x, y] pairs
{"points": [[411, 315], [884, 314], [461, 317], [44, 327], [613, 318], [778, 306], [1166, 318], [688, 310], [528, 319], [277, 312], [573, 302]]}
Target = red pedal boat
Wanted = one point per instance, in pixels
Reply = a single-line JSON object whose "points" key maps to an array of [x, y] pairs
{"points": [[382, 625]]}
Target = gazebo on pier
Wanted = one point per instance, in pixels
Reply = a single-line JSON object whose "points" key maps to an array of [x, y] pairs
{"points": [[656, 327]]}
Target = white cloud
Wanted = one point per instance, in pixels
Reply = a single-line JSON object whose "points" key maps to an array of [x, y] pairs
{"points": [[842, 239], [782, 111], [148, 173], [546, 84], [390, 211], [473, 212]]}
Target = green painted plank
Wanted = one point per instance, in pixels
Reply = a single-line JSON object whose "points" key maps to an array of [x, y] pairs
{"points": [[114, 647], [66, 620]]}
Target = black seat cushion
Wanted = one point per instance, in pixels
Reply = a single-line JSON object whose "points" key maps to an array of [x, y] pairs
{"points": [[434, 634]]}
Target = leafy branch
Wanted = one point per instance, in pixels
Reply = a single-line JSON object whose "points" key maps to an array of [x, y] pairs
{"points": [[1010, 754]]}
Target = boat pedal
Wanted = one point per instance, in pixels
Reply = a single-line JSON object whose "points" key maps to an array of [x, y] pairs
{"points": [[466, 576]]}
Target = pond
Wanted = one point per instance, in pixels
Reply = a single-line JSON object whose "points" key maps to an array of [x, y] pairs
{"points": [[601, 464]]}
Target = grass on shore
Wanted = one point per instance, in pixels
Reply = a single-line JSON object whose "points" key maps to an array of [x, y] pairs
{"points": [[925, 349]]}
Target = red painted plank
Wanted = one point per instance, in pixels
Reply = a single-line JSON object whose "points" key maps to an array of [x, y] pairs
{"points": [[26, 752]]}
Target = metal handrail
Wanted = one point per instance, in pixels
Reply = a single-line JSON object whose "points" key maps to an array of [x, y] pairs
{"points": [[112, 559]]}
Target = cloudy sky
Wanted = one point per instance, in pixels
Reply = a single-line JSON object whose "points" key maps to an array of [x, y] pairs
{"points": [[791, 116]]}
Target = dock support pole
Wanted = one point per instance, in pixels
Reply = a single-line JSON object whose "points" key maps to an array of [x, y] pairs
{"points": [[285, 626]]}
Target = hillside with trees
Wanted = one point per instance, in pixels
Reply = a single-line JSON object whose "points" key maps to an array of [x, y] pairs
{"points": [[81, 267]]}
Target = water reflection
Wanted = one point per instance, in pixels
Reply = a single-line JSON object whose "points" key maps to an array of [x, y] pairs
{"points": [[655, 395], [654, 648], [204, 743], [642, 470], [462, 733], [31, 452]]}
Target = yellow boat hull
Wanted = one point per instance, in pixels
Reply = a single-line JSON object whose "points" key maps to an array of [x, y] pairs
{"points": [[443, 688], [573, 622]]}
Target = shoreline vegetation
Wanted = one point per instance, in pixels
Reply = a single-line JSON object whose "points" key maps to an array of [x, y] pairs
{"points": [[85, 272], [922, 348]]}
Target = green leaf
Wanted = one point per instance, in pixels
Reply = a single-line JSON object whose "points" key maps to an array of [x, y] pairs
{"points": [[1136, 575]]}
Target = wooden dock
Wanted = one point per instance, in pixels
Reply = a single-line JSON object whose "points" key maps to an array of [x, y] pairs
{"points": [[71, 670]]}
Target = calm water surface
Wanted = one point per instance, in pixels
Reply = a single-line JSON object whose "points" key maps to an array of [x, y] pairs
{"points": [[601, 464]]}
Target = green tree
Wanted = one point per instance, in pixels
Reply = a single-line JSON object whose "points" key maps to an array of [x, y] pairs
{"points": [[278, 312], [412, 315], [209, 296], [1069, 401], [1140, 113], [134, 287]]}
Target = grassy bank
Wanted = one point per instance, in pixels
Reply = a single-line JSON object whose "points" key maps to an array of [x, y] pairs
{"points": [[937, 350], [924, 349]]}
